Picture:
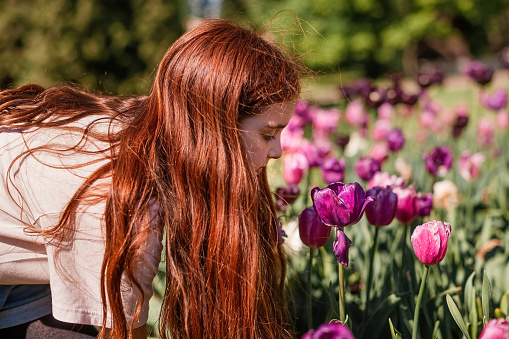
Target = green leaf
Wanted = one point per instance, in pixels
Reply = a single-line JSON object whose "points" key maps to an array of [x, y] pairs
{"points": [[377, 320], [504, 303], [469, 292], [485, 298], [394, 333], [436, 330], [457, 316]]}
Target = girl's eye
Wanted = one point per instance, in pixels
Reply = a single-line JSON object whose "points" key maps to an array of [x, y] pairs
{"points": [[269, 137]]}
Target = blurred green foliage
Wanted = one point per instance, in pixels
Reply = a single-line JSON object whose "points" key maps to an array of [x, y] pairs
{"points": [[115, 45], [111, 46]]}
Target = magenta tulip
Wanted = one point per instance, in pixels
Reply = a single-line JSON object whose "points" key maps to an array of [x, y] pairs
{"points": [[496, 101], [480, 72], [294, 167], [332, 330], [382, 210], [340, 204], [496, 329], [423, 204], [333, 170], [439, 161], [406, 211], [313, 232], [366, 167], [429, 241], [395, 140]]}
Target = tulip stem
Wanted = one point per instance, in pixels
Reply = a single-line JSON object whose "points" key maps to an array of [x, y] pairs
{"points": [[418, 304], [370, 271], [342, 316], [309, 301]]}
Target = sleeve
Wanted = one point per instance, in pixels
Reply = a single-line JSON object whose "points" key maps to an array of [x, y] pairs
{"points": [[75, 265]]}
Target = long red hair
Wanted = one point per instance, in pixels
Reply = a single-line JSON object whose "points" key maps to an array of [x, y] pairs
{"points": [[181, 147]]}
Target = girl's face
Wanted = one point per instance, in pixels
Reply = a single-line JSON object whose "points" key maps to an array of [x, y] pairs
{"points": [[261, 133]]}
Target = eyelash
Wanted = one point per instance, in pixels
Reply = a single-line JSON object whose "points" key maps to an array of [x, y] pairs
{"points": [[269, 137]]}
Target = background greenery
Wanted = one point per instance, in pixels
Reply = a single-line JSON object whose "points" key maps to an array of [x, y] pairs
{"points": [[115, 45]]}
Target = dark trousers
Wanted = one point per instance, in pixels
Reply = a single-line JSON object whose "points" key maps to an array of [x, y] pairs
{"points": [[48, 327]]}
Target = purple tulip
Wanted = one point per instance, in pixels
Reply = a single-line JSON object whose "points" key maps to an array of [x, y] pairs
{"points": [[393, 95], [395, 140], [286, 195], [439, 161], [313, 232], [375, 98], [366, 167], [302, 111], [333, 170], [429, 241], [329, 331], [461, 120], [311, 152], [340, 204], [497, 101], [480, 72], [406, 211], [382, 210], [495, 329], [423, 204], [340, 246]]}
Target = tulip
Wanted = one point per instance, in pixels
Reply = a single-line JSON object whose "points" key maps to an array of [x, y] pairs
{"points": [[423, 204], [294, 166], [379, 152], [503, 119], [439, 161], [485, 132], [382, 210], [380, 129], [406, 211], [496, 329], [313, 232], [342, 140], [333, 330], [355, 113], [479, 72], [470, 165], [340, 204], [302, 111], [385, 111], [429, 241], [395, 140], [333, 170], [497, 101], [445, 195], [312, 154], [326, 120], [403, 169], [292, 140], [375, 98], [461, 120], [366, 167], [286, 195], [384, 179], [322, 144]]}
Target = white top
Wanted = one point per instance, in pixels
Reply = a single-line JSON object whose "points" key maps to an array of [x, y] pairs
{"points": [[33, 193]]}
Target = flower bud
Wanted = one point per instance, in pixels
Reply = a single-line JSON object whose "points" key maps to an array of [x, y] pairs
{"points": [[313, 232], [429, 241], [496, 329], [382, 210]]}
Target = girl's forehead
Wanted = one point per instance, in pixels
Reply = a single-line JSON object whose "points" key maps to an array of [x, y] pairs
{"points": [[275, 116]]}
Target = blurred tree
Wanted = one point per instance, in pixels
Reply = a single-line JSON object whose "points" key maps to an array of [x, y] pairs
{"points": [[386, 35], [112, 46]]}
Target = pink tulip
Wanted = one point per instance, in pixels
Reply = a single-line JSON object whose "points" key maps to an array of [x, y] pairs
{"points": [[496, 329], [355, 113], [384, 179], [380, 129], [429, 241], [503, 119], [470, 165], [294, 167], [326, 120], [385, 111], [379, 152], [485, 132], [427, 119], [292, 140], [406, 211]]}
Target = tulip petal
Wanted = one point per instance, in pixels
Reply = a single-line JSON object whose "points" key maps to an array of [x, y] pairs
{"points": [[330, 208], [340, 246]]}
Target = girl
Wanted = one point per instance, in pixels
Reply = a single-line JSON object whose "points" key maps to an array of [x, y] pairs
{"points": [[92, 185]]}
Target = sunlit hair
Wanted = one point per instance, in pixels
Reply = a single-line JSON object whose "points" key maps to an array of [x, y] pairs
{"points": [[181, 147]]}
